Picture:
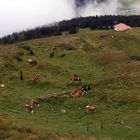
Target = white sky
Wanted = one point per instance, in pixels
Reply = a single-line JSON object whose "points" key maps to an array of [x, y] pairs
{"points": [[18, 15]]}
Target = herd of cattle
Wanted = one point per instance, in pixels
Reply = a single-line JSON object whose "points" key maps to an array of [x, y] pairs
{"points": [[75, 94], [35, 103]]}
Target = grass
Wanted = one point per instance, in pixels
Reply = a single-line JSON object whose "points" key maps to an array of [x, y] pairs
{"points": [[101, 59]]}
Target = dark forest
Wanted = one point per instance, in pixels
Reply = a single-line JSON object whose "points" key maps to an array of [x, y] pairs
{"points": [[71, 27]]}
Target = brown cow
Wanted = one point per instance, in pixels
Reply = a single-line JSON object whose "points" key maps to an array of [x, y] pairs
{"points": [[76, 93], [90, 109], [29, 107], [33, 62], [75, 78], [35, 78]]}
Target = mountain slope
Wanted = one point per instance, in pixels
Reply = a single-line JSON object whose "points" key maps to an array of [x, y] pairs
{"points": [[108, 61]]}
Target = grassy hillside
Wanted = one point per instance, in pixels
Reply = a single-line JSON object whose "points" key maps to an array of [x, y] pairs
{"points": [[107, 60]]}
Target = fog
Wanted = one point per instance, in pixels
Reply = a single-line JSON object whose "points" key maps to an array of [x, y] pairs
{"points": [[95, 8], [17, 15], [113, 7]]}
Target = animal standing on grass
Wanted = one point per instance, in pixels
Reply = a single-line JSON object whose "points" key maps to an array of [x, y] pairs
{"points": [[33, 62], [75, 78]]}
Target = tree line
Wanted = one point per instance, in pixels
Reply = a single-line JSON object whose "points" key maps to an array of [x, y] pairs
{"points": [[71, 27]]}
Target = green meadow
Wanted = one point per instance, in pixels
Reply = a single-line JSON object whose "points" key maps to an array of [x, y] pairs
{"points": [[108, 61]]}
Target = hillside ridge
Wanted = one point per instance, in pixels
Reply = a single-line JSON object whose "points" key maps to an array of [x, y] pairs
{"points": [[106, 60]]}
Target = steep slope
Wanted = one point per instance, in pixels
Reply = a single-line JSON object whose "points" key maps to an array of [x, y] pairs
{"points": [[108, 61]]}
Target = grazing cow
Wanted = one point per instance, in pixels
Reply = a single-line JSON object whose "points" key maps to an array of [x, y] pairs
{"points": [[90, 109], [76, 93], [29, 107], [75, 78], [34, 102], [35, 78], [33, 62], [84, 89]]}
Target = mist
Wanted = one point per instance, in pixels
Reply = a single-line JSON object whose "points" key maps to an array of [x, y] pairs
{"points": [[136, 7], [18, 15], [109, 7], [93, 8]]}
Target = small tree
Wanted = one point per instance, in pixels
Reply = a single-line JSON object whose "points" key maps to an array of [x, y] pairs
{"points": [[11, 39]]}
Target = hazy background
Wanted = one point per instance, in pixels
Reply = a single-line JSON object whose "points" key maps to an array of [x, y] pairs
{"points": [[17, 15]]}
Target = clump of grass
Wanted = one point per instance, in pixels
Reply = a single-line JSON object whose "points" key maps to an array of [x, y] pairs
{"points": [[4, 130], [8, 66], [136, 57], [48, 136], [112, 56], [26, 47], [75, 84], [66, 47], [19, 54]]}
